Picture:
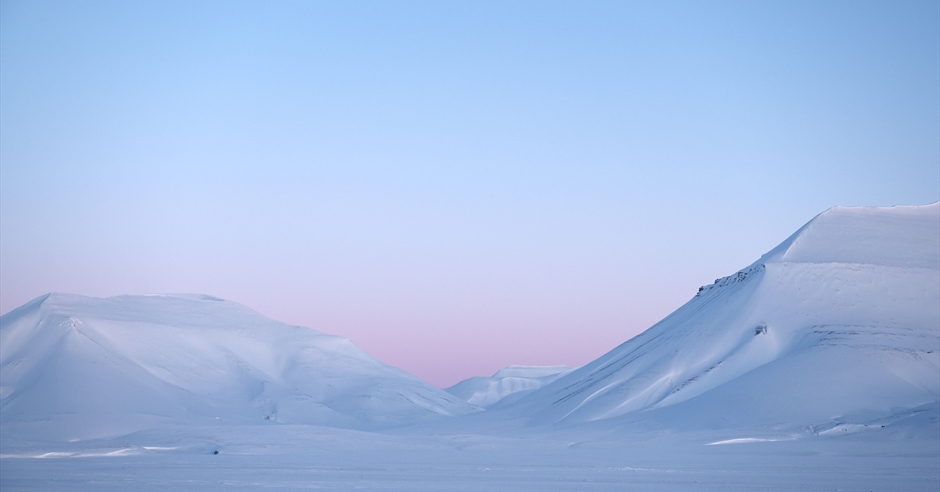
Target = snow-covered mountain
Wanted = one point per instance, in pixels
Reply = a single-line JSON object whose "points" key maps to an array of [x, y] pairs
{"points": [[839, 323], [74, 367], [512, 380]]}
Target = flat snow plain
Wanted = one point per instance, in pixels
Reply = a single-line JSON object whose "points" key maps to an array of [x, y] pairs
{"points": [[302, 457]]}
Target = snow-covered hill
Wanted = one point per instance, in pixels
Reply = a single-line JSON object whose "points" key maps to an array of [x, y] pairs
{"points": [[838, 324], [512, 380], [74, 367]]}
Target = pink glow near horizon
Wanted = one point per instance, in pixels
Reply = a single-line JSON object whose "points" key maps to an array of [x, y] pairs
{"points": [[446, 334], [456, 187]]}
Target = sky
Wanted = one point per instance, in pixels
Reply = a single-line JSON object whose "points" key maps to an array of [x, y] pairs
{"points": [[454, 186]]}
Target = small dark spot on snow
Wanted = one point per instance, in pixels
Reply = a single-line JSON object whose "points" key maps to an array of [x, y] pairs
{"points": [[215, 452], [761, 328]]}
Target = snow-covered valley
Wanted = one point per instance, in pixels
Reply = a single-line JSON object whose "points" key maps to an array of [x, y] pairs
{"points": [[815, 368]]}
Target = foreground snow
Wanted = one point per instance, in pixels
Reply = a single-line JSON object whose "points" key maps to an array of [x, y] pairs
{"points": [[290, 457]]}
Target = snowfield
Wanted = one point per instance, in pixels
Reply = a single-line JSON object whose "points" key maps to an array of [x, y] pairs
{"points": [[815, 368], [304, 457]]}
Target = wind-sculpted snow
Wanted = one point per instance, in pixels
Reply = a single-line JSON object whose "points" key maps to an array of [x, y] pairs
{"points": [[512, 380], [839, 323], [77, 367]]}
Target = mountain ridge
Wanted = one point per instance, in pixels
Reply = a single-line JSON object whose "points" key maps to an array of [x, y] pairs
{"points": [[90, 367], [843, 317]]}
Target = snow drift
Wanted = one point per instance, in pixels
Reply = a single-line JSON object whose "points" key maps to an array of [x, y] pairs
{"points": [[839, 323], [74, 367]]}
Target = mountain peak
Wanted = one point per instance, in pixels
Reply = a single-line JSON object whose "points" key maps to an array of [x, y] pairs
{"points": [[904, 236]]}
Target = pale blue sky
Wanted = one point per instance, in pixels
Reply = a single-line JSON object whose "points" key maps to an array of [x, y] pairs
{"points": [[456, 186]]}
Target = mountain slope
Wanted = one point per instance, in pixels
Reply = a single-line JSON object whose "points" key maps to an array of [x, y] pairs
{"points": [[839, 322], [81, 367]]}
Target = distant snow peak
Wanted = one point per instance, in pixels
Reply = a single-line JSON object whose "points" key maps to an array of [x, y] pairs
{"points": [[516, 371], [512, 380]]}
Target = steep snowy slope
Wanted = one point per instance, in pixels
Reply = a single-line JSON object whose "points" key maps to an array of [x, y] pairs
{"points": [[512, 380], [839, 323], [75, 367]]}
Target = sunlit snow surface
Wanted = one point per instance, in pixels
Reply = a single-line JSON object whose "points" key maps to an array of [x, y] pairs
{"points": [[815, 368]]}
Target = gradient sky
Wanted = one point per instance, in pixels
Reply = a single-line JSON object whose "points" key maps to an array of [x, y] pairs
{"points": [[455, 186]]}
